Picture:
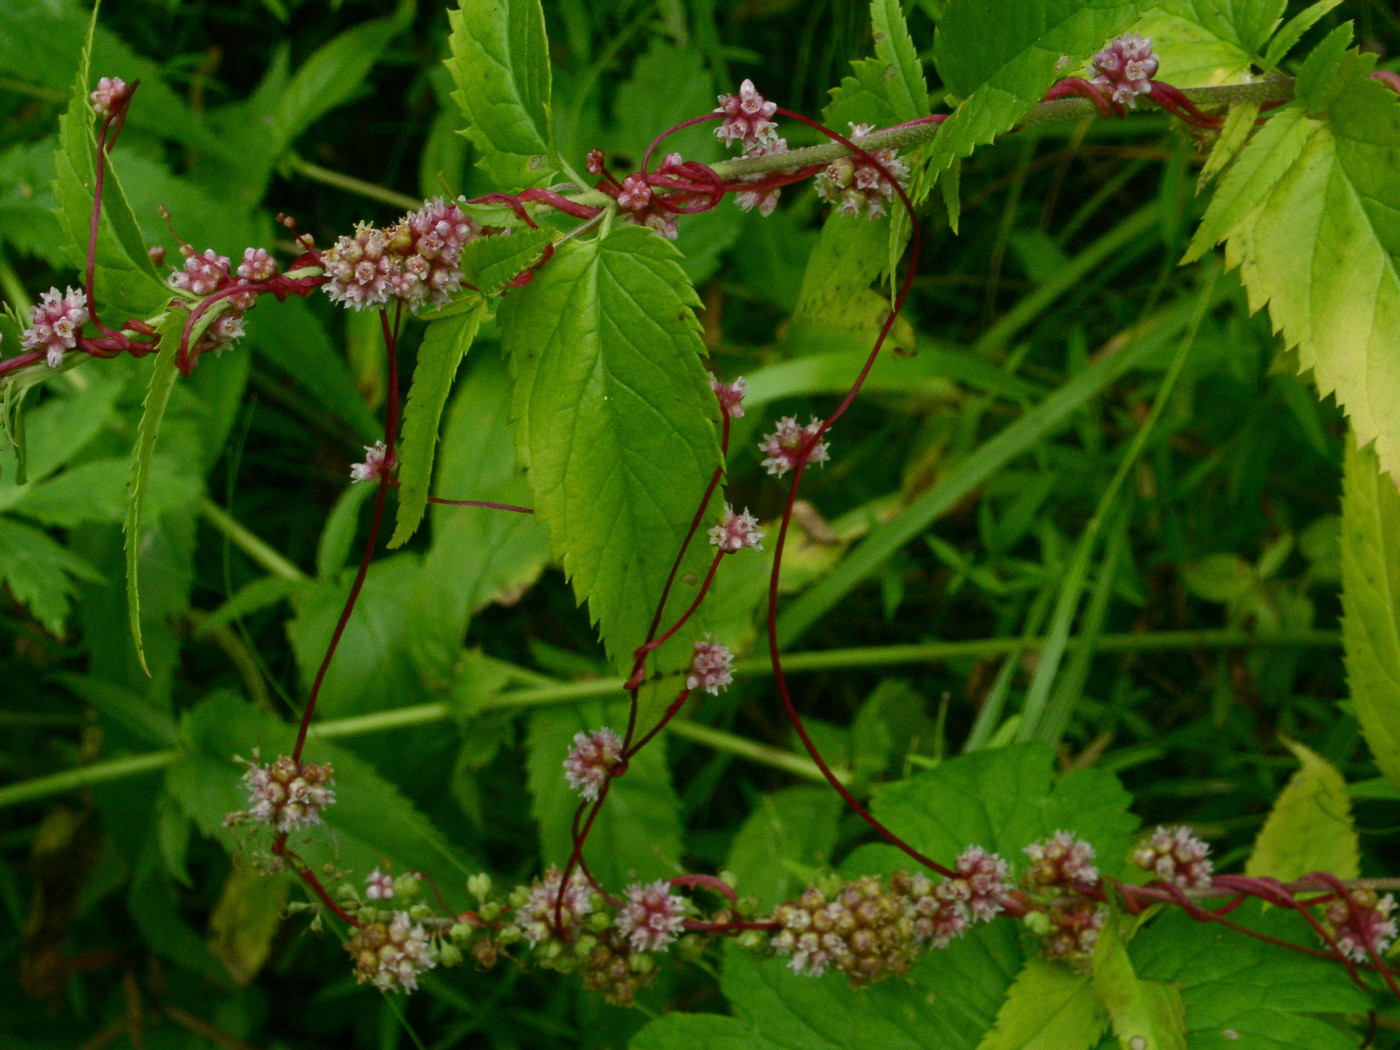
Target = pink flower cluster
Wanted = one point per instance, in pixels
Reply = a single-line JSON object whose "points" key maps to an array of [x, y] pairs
{"points": [[652, 918], [731, 395], [55, 323], [285, 794], [1175, 855], [378, 464], [1062, 863], [862, 928], [975, 893], [853, 183], [746, 122], [536, 910], [736, 532], [790, 444], [415, 261], [1125, 68], [391, 956], [1362, 925], [711, 667], [110, 92], [210, 273], [591, 760]]}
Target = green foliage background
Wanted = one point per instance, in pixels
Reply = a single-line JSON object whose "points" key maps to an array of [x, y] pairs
{"points": [[1078, 560]]}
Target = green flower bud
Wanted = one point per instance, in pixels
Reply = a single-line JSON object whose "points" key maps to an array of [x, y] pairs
{"points": [[449, 955], [479, 886]]}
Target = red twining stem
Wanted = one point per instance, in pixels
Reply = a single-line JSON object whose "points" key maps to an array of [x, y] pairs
{"points": [[391, 426], [304, 872]]}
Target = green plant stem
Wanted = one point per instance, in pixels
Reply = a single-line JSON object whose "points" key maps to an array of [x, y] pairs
{"points": [[248, 543], [568, 692], [349, 184]]}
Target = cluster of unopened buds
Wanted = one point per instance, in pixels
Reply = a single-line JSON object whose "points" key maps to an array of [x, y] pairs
{"points": [[285, 794]]}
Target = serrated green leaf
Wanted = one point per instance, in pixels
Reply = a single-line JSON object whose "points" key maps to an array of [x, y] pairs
{"points": [[1246, 24], [41, 575], [1264, 161], [1316, 246], [444, 345], [1050, 1007], [1002, 800], [489, 262], [1309, 827], [793, 827], [616, 424], [162, 382], [1371, 603], [1002, 59], [1287, 38], [638, 832], [1243, 992], [1145, 1015], [904, 73], [500, 64], [1239, 122], [1317, 76]]}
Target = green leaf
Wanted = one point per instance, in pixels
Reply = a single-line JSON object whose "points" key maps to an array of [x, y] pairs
{"points": [[489, 262], [1245, 23], [617, 425], [163, 375], [500, 64], [1371, 603], [1001, 59], [638, 832], [1242, 992], [1239, 122], [1146, 1015], [41, 575], [1002, 800], [1050, 1007], [1287, 38], [904, 73], [1309, 828], [330, 77], [1314, 238], [479, 554], [790, 829], [444, 345], [947, 1001]]}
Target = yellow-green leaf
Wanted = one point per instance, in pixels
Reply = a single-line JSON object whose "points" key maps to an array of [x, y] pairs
{"points": [[1371, 603], [1145, 1015], [1050, 1007], [1309, 829]]}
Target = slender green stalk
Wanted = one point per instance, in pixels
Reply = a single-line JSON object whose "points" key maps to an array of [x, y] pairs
{"points": [[248, 543], [350, 184], [743, 747], [570, 692]]}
